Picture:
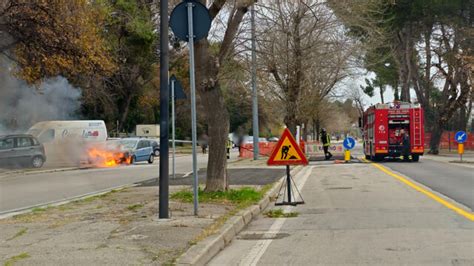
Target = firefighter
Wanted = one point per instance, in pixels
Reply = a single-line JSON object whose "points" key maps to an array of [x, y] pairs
{"points": [[405, 144], [326, 140]]}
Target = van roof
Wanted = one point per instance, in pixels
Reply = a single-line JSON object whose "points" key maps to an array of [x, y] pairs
{"points": [[66, 122]]}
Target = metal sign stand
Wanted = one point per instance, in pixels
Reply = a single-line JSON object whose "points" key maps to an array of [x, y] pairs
{"points": [[199, 23], [173, 126], [193, 104], [287, 187]]}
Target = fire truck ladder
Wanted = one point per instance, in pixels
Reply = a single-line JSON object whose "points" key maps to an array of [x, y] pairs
{"points": [[417, 126]]}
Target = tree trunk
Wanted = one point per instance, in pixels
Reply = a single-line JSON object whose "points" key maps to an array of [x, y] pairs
{"points": [[125, 111], [436, 133], [218, 130], [381, 95], [216, 114]]}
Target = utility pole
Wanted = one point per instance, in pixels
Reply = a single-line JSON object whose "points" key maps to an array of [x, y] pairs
{"points": [[254, 88], [164, 113]]}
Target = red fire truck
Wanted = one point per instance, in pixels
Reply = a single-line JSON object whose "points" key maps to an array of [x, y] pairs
{"points": [[382, 125]]}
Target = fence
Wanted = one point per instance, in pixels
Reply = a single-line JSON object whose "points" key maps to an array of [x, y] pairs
{"points": [[447, 141]]}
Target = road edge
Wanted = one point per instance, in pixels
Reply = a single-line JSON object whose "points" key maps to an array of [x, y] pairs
{"points": [[28, 209], [205, 250], [457, 208]]}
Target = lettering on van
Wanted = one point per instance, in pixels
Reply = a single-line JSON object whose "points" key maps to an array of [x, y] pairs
{"points": [[90, 133], [95, 124]]}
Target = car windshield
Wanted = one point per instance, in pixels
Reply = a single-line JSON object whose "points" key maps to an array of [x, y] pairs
{"points": [[128, 144]]}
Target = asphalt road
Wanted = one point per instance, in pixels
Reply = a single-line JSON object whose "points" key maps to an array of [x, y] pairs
{"points": [[453, 181], [25, 190]]}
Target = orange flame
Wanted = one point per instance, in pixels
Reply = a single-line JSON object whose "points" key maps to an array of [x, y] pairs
{"points": [[104, 158]]}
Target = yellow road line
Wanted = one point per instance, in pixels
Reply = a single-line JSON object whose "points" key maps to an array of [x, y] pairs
{"points": [[466, 214]]}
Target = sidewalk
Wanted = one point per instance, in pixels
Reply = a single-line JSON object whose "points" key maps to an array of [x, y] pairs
{"points": [[118, 228], [467, 158], [356, 214]]}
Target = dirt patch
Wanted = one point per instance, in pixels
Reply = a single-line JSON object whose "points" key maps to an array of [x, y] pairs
{"points": [[119, 228]]}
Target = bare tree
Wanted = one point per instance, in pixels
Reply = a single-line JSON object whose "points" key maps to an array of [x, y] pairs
{"points": [[208, 66], [304, 50]]}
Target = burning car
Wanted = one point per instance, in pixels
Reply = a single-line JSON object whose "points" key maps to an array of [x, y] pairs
{"points": [[123, 151]]}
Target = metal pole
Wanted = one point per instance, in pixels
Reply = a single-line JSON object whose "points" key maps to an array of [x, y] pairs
{"points": [[193, 103], [164, 113], [173, 129], [254, 89], [288, 182]]}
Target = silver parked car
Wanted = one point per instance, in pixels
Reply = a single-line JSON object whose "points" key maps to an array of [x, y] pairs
{"points": [[21, 150]]}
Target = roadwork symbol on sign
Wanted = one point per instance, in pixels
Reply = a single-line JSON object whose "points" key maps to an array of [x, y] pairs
{"points": [[287, 151]]}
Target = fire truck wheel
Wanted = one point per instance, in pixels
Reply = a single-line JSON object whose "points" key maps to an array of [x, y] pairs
{"points": [[367, 157], [415, 157]]}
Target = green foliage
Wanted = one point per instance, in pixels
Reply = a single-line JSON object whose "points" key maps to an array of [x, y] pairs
{"points": [[279, 213], [241, 196], [134, 207], [11, 261], [19, 233], [132, 95]]}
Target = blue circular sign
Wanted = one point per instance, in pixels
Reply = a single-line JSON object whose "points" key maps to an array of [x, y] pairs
{"points": [[460, 137], [201, 20], [349, 143]]}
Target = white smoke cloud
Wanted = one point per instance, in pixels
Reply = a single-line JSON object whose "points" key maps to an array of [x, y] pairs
{"points": [[22, 105]]}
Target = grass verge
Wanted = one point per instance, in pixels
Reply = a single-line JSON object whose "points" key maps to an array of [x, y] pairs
{"points": [[241, 197], [16, 258], [278, 213]]}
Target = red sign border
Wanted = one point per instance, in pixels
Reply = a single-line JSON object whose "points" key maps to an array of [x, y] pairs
{"points": [[287, 134]]}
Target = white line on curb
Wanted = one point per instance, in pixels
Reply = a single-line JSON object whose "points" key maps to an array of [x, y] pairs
{"points": [[257, 251]]}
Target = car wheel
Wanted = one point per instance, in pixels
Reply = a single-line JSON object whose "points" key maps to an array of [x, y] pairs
{"points": [[156, 153], [151, 159], [132, 160], [37, 162]]}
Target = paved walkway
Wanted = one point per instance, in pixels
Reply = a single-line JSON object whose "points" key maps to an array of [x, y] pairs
{"points": [[357, 214]]}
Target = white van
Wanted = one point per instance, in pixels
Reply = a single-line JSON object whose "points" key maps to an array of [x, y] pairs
{"points": [[67, 142], [77, 130]]}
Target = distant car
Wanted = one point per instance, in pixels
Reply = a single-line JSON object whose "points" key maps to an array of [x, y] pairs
{"points": [[21, 150], [156, 147], [273, 139]]}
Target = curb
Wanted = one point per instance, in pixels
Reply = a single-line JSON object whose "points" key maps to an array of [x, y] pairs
{"points": [[205, 250], [19, 172], [28, 209]]}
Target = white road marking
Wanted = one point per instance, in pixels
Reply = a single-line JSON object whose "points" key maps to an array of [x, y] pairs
{"points": [[187, 174], [257, 251]]}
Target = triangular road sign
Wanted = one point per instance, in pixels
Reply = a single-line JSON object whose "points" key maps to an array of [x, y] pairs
{"points": [[178, 89], [287, 151]]}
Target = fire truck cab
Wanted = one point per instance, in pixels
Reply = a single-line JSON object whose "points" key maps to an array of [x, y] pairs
{"points": [[382, 125]]}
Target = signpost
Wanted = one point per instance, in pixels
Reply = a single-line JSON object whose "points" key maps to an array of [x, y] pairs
{"points": [[190, 22], [176, 93], [349, 144], [163, 208], [460, 138], [288, 152]]}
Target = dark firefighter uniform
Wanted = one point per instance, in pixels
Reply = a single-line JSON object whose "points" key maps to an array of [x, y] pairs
{"points": [[326, 140]]}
